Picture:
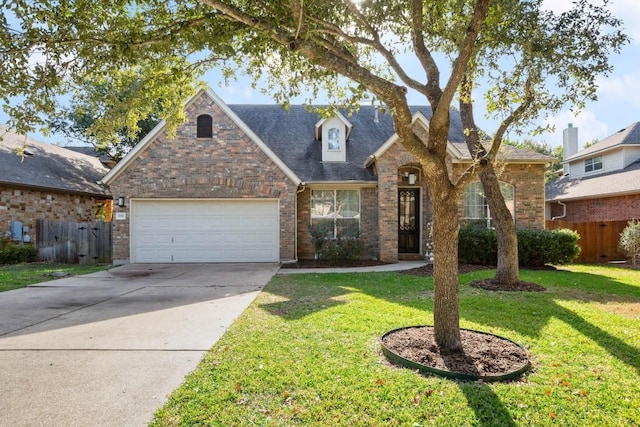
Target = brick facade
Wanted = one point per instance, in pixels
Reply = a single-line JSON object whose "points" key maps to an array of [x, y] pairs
{"points": [[620, 208], [228, 165], [368, 223], [28, 205]]}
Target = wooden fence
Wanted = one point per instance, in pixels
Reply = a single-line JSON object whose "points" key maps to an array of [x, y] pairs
{"points": [[74, 242], [598, 240]]}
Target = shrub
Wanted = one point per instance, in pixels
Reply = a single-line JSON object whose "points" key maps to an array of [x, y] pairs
{"points": [[16, 254], [630, 240], [478, 245], [535, 247], [349, 247], [539, 247]]}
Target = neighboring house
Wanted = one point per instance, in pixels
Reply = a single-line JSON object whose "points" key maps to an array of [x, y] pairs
{"points": [[599, 183], [245, 183], [47, 182]]}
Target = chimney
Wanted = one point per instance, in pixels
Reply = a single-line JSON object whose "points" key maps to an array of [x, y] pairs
{"points": [[569, 145]]}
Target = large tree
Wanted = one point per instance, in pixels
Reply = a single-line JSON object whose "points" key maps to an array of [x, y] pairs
{"points": [[531, 60]]}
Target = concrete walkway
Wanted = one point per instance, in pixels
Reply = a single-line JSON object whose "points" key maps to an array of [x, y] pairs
{"points": [[399, 266], [107, 348]]}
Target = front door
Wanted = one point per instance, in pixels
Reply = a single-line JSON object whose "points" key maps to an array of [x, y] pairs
{"points": [[409, 220]]}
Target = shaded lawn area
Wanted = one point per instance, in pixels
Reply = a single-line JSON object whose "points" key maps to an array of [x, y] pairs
{"points": [[21, 275], [306, 353]]}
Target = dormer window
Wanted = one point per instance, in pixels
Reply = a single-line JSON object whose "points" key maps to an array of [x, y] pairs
{"points": [[333, 139], [593, 164], [333, 133], [204, 126]]}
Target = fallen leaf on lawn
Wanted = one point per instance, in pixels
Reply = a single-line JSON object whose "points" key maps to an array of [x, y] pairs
{"points": [[552, 415], [547, 391], [379, 381], [238, 387], [428, 393]]}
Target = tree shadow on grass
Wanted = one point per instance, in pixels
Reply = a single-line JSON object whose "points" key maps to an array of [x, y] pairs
{"points": [[489, 409]]}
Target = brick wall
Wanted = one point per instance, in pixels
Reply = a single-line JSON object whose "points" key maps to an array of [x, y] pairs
{"points": [[368, 223], [528, 183], [621, 208], [28, 205], [229, 165]]}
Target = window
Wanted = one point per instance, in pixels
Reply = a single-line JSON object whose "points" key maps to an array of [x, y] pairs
{"points": [[475, 203], [205, 126], [335, 213], [333, 139], [593, 164]]}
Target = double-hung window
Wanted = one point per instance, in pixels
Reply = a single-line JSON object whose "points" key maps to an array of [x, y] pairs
{"points": [[593, 164], [476, 206], [335, 213]]}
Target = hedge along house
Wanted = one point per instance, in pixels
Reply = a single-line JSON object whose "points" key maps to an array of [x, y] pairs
{"points": [[44, 181], [246, 183]]}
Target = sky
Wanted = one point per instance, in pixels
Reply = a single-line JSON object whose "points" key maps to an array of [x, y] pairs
{"points": [[618, 103]]}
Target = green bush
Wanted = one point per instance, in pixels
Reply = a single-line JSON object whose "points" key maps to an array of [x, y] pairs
{"points": [[16, 254], [630, 240], [535, 247], [478, 245], [349, 247]]}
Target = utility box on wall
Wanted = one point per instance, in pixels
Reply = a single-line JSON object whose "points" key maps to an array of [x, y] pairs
{"points": [[16, 231]]}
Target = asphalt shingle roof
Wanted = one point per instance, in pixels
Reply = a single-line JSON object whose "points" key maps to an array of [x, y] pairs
{"points": [[49, 166], [290, 135], [627, 135], [625, 181]]}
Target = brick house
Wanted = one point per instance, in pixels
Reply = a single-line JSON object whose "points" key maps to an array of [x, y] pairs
{"points": [[46, 182], [245, 183], [600, 182]]}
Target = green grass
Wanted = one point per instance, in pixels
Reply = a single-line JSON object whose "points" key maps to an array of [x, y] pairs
{"points": [[21, 275], [306, 353]]}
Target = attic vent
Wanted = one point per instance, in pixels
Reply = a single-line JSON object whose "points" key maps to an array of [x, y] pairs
{"points": [[622, 130], [204, 126]]}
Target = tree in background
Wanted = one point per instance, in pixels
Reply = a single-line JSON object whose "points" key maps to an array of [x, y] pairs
{"points": [[76, 121], [529, 60], [542, 148]]}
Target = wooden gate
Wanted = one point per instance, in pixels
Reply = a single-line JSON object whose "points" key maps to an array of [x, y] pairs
{"points": [[598, 240], [74, 242]]}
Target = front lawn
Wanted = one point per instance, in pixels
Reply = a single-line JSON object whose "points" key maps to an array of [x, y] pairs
{"points": [[306, 353], [21, 275]]}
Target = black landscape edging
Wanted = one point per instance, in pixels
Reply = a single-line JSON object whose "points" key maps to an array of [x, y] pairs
{"points": [[399, 360]]}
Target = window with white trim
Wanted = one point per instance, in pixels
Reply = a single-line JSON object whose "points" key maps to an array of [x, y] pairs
{"points": [[476, 206], [335, 213], [593, 164]]}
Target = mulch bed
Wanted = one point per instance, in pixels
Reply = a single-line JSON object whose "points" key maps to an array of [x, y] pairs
{"points": [[483, 355]]}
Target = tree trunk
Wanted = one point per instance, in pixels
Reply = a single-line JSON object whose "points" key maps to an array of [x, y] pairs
{"points": [[507, 271], [445, 268]]}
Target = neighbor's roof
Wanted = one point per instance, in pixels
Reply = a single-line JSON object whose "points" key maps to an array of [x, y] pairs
{"points": [[616, 183], [48, 166], [629, 135]]}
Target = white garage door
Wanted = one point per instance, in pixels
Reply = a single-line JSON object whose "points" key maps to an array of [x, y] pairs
{"points": [[164, 231]]}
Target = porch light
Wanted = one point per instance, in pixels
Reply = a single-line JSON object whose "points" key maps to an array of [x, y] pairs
{"points": [[412, 178], [121, 201]]}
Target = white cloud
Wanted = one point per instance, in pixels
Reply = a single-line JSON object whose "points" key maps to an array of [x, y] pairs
{"points": [[589, 127], [621, 89]]}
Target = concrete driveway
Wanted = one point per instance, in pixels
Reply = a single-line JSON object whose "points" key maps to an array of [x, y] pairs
{"points": [[107, 348]]}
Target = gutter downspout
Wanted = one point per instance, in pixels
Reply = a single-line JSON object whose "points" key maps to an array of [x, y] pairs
{"points": [[303, 186], [564, 212]]}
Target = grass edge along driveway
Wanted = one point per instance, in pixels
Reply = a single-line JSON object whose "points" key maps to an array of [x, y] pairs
{"points": [[306, 353], [17, 276]]}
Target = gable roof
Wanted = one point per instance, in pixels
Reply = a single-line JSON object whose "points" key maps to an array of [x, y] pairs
{"points": [[48, 166], [160, 127], [629, 135], [616, 183]]}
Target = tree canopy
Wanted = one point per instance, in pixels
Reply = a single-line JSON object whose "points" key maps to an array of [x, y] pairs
{"points": [[531, 62]]}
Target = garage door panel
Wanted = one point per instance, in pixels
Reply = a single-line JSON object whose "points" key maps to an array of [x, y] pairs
{"points": [[205, 231]]}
